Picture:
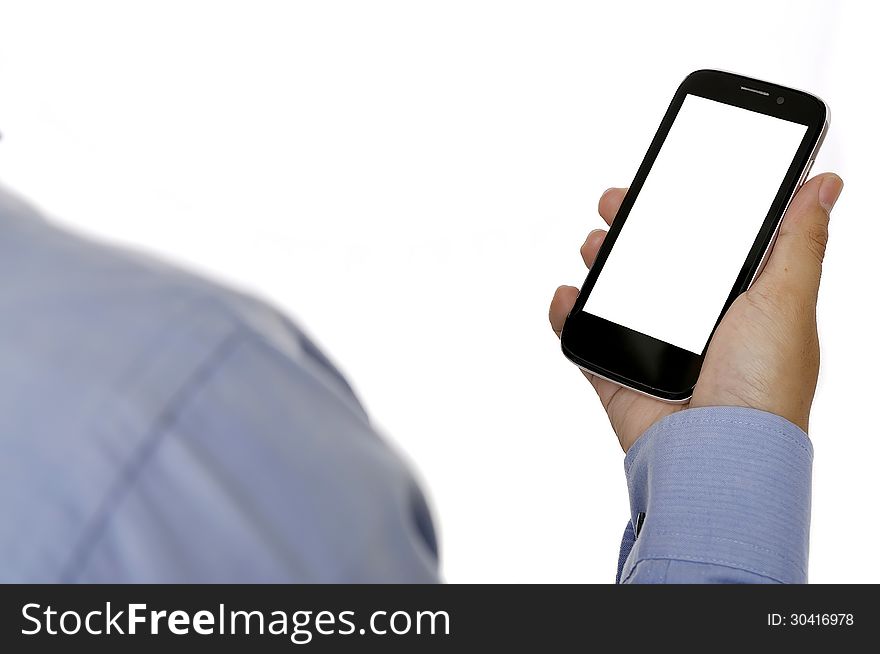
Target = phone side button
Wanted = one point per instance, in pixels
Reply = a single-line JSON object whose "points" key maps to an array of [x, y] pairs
{"points": [[805, 173]]}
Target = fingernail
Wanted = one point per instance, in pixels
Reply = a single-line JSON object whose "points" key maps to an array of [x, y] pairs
{"points": [[829, 191]]}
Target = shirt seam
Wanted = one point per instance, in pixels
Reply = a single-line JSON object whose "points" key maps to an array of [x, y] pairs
{"points": [[729, 540], [145, 450], [706, 561]]}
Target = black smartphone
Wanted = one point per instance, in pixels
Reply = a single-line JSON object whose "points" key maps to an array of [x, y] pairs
{"points": [[693, 231]]}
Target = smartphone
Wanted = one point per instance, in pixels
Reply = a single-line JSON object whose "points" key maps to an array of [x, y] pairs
{"points": [[694, 230]]}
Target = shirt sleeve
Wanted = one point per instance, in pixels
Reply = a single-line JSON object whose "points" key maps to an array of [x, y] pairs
{"points": [[265, 470], [718, 495]]}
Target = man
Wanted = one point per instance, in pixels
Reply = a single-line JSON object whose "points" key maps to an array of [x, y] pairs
{"points": [[158, 428]]}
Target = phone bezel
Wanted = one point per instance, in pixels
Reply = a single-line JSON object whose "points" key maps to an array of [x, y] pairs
{"points": [[636, 360]]}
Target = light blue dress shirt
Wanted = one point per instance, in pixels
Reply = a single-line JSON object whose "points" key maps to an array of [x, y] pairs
{"points": [[156, 427]]}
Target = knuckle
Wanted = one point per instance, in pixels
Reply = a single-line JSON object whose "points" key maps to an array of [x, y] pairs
{"points": [[816, 236], [584, 249]]}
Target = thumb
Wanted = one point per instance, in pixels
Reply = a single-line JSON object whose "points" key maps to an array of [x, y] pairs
{"points": [[795, 264]]}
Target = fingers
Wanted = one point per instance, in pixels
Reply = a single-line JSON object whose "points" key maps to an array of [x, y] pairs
{"points": [[795, 265], [609, 203], [591, 246], [563, 301]]}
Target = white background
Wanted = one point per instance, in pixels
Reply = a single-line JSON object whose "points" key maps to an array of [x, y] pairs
{"points": [[387, 171], [715, 178]]}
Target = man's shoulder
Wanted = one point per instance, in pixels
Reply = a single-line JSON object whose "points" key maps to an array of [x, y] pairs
{"points": [[65, 290], [88, 326]]}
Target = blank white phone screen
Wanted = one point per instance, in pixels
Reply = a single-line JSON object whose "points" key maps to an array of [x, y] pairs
{"points": [[687, 236]]}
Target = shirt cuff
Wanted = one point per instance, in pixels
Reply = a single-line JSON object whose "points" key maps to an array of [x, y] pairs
{"points": [[724, 486]]}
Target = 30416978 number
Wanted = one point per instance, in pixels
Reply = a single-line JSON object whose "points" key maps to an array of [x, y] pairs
{"points": [[810, 620]]}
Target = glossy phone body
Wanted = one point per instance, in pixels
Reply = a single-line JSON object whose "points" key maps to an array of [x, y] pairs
{"points": [[704, 208]]}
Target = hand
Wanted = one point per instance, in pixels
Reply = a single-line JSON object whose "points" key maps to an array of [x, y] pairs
{"points": [[765, 352]]}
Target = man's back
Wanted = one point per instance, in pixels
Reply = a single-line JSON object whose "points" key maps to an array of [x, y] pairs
{"points": [[157, 427]]}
